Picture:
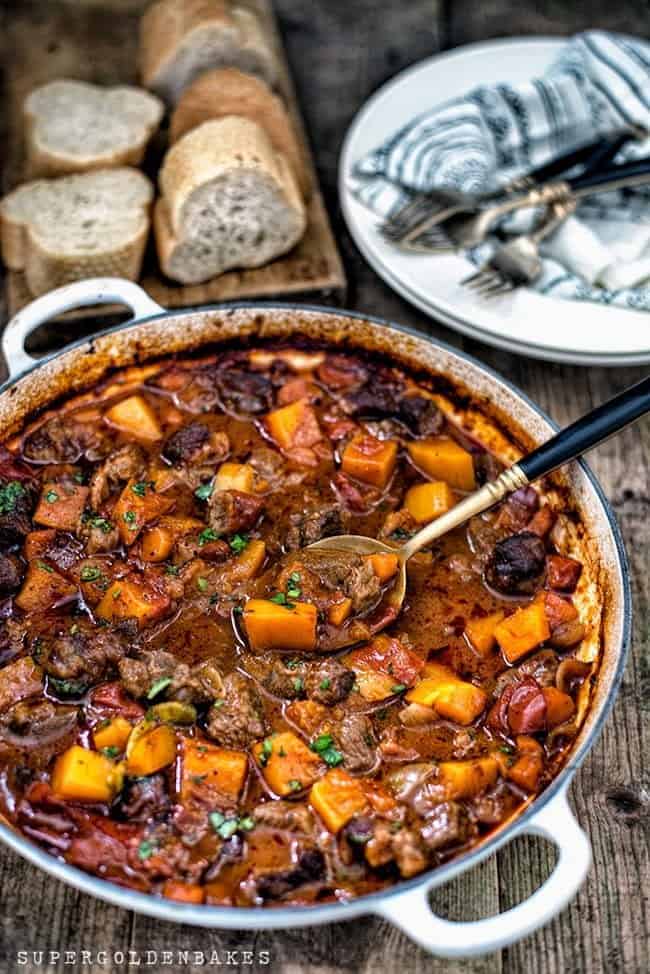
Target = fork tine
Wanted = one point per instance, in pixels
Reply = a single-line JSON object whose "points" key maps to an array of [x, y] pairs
{"points": [[498, 287], [505, 288], [486, 277], [408, 216]]}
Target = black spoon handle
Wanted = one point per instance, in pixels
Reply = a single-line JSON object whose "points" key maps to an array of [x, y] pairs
{"points": [[593, 156], [638, 167], [588, 431]]}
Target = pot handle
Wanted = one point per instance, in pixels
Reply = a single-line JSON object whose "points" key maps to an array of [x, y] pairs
{"points": [[81, 294], [411, 912]]}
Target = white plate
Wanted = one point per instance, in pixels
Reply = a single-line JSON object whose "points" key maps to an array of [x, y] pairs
{"points": [[524, 321]]}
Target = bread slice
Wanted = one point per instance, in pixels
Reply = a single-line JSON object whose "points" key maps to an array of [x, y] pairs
{"points": [[228, 91], [228, 200], [72, 126], [180, 39], [78, 226]]}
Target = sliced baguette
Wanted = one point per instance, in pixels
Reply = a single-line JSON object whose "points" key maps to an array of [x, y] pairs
{"points": [[63, 230], [228, 91], [228, 200], [180, 39], [72, 126]]}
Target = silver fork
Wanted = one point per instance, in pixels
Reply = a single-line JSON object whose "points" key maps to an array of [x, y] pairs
{"points": [[517, 262]]}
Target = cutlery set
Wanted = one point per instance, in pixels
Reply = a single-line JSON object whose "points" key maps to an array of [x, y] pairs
{"points": [[441, 221]]}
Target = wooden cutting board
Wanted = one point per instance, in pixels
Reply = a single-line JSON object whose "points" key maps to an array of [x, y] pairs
{"points": [[96, 40]]}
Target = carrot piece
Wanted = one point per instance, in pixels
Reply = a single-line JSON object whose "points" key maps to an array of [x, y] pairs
{"points": [[157, 543], [368, 459], [43, 587], [154, 749], [447, 694], [480, 632], [384, 565], [287, 764], [61, 505], [85, 776], [442, 458], [138, 505], [523, 631], [234, 476], [466, 779], [210, 768], [295, 425], [174, 889], [559, 706], [339, 612], [272, 626], [131, 599], [424, 502], [114, 734], [337, 798], [134, 415]]}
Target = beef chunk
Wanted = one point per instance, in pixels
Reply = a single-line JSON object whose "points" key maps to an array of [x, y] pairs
{"points": [[542, 666], [355, 738], [38, 720], [63, 551], [82, 655], [517, 564], [198, 684], [143, 799], [239, 720], [121, 465], [62, 440], [10, 573], [517, 511], [17, 498], [342, 372], [268, 464], [421, 415], [448, 824], [401, 846], [244, 391], [313, 524], [98, 535], [280, 676], [380, 395], [309, 868], [346, 572], [232, 510], [290, 816], [328, 681], [186, 442]]}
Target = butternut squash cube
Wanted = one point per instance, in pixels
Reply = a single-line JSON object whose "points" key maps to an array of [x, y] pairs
{"points": [[370, 460], [424, 502], [527, 769], [248, 562], [135, 416], [234, 476], [174, 889], [295, 425], [85, 776], [113, 734], [339, 612], [442, 458], [337, 798], [272, 626], [138, 504], [287, 764], [61, 505], [308, 715], [36, 543], [466, 779], [480, 632], [157, 544], [384, 566], [130, 599], [209, 767], [43, 587], [446, 693], [523, 631], [559, 706], [153, 749]]}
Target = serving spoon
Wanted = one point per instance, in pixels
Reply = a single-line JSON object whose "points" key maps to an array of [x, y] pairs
{"points": [[582, 435]]}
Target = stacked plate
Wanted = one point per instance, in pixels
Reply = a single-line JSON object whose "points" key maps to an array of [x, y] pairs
{"points": [[524, 321]]}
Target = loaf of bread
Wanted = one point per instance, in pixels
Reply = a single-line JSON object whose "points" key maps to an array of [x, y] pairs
{"points": [[72, 126], [228, 91], [85, 225], [180, 39], [228, 200]]}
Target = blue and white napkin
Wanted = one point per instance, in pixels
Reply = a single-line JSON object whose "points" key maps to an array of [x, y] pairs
{"points": [[599, 83]]}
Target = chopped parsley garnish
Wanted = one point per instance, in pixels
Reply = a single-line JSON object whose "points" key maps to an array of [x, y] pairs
{"points": [[295, 785], [198, 779], [111, 752], [158, 686], [226, 827], [325, 684], [171, 569], [298, 684], [204, 491], [292, 664], [44, 568], [323, 745], [79, 476], [101, 523], [267, 751], [141, 487], [146, 849], [293, 592], [66, 688], [218, 704], [51, 496], [507, 749], [130, 518], [9, 495], [202, 584], [279, 598], [238, 543], [103, 724], [89, 573], [207, 535], [398, 687]]}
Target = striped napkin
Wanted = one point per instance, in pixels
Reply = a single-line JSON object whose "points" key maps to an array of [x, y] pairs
{"points": [[599, 83]]}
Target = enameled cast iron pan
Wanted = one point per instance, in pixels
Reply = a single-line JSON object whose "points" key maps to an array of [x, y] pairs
{"points": [[507, 422]]}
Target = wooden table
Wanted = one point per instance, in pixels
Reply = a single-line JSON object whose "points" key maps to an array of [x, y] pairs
{"points": [[340, 51]]}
